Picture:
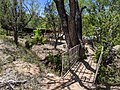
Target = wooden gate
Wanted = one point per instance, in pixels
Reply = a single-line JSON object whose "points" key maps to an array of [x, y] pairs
{"points": [[69, 58]]}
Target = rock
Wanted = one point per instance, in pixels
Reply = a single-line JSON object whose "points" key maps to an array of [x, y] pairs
{"points": [[116, 57], [115, 48], [50, 75]]}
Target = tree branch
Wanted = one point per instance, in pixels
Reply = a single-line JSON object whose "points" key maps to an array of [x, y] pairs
{"points": [[11, 83]]}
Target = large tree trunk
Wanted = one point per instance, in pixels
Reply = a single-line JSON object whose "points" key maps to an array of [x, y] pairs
{"points": [[72, 24], [64, 20], [68, 23], [78, 21]]}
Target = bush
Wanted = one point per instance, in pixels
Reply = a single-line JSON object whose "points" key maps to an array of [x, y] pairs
{"points": [[29, 43], [2, 32], [107, 72], [56, 62], [108, 75], [116, 40], [98, 51], [38, 37]]}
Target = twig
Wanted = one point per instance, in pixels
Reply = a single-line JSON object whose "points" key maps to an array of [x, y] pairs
{"points": [[11, 83]]}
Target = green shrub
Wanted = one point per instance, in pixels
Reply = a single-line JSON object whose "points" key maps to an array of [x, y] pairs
{"points": [[116, 40], [2, 32], [108, 75], [107, 72], [29, 43], [98, 51], [56, 62], [38, 37]]}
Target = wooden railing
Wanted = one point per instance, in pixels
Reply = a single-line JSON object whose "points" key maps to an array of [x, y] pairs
{"points": [[69, 58], [98, 64]]}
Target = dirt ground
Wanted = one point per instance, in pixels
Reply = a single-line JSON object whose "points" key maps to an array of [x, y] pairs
{"points": [[15, 65]]}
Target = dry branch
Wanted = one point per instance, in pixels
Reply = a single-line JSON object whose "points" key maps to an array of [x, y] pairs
{"points": [[11, 83]]}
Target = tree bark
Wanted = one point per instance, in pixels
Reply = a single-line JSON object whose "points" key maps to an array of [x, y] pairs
{"points": [[15, 22], [64, 20], [78, 21], [72, 24], [68, 22]]}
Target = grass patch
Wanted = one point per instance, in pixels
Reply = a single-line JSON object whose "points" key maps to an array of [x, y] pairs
{"points": [[54, 63], [19, 52]]}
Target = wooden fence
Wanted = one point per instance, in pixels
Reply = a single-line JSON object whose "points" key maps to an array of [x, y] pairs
{"points": [[98, 64], [69, 58]]}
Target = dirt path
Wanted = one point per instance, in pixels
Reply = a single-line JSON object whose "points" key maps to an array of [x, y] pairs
{"points": [[80, 77]]}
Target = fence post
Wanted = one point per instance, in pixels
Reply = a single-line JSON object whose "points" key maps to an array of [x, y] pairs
{"points": [[98, 64], [62, 66]]}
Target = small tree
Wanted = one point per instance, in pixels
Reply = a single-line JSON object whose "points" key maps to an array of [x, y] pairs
{"points": [[53, 21], [13, 12]]}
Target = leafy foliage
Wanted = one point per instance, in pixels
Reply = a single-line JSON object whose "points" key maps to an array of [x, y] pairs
{"points": [[102, 20], [29, 43], [108, 73], [36, 38], [55, 62], [2, 32], [116, 40]]}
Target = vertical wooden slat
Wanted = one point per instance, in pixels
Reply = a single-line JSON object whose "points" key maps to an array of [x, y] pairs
{"points": [[98, 65], [72, 56]]}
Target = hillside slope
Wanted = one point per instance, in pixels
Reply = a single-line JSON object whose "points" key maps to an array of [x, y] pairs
{"points": [[19, 68]]}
